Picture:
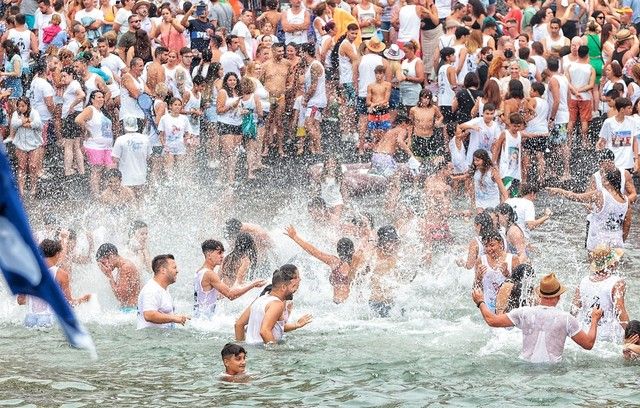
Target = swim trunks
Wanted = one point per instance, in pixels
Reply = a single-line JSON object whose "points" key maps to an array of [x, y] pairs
{"points": [[379, 119], [383, 164], [424, 147]]}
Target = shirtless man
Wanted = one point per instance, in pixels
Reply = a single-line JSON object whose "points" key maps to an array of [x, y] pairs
{"points": [[155, 70], [116, 196], [276, 78], [378, 94], [425, 117], [127, 287], [382, 161], [348, 60], [434, 225], [383, 267], [208, 285]]}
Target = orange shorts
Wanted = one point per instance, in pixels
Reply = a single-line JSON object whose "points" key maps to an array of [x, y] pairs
{"points": [[579, 108]]}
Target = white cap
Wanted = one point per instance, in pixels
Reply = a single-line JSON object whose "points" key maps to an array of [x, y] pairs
{"points": [[130, 124]]}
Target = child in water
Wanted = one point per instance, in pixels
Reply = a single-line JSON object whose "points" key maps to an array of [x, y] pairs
{"points": [[234, 358]]}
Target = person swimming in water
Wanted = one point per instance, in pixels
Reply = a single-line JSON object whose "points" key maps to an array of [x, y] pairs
{"points": [[382, 269], [234, 358], [343, 267], [242, 260], [127, 286]]}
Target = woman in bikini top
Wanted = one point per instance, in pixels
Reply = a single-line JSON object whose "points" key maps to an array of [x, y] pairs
{"points": [[343, 267]]}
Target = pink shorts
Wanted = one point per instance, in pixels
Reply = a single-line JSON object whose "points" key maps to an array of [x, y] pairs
{"points": [[97, 157]]}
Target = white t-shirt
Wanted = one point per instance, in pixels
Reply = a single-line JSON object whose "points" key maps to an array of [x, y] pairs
{"points": [[525, 210], [95, 14], [620, 137], [544, 331], [231, 62], [174, 129], [153, 297], [483, 138], [241, 30], [68, 96], [41, 89], [114, 63], [122, 18], [132, 150]]}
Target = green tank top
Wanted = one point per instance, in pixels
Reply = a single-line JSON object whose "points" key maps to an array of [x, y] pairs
{"points": [[593, 42]]}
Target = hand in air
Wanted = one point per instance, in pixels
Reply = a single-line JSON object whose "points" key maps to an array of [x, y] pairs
{"points": [[258, 283], [304, 320], [548, 212], [291, 232]]}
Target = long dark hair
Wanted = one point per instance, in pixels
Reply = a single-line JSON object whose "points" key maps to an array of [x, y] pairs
{"points": [[507, 210], [345, 250], [605, 33], [225, 85], [485, 222], [10, 48], [244, 246], [484, 156], [142, 47], [521, 274], [614, 178], [27, 102]]}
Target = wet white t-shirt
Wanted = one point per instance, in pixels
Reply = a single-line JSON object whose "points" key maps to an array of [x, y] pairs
{"points": [[544, 331], [525, 210], [153, 297]]}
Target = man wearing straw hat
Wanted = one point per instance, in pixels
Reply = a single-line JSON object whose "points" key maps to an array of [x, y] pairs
{"points": [[606, 288], [544, 327]]}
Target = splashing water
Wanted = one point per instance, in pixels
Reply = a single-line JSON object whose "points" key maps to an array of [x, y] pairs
{"points": [[434, 349]]}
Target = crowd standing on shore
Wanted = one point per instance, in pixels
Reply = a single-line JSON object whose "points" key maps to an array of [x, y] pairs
{"points": [[492, 100]]}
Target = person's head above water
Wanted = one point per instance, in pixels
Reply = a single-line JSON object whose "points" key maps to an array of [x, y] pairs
{"points": [[345, 250], [234, 359], [232, 228], [50, 248], [388, 238], [213, 251], [506, 215], [105, 251], [285, 281]]}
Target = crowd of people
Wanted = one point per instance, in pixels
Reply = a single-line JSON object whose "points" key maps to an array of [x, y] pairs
{"points": [[492, 101]]}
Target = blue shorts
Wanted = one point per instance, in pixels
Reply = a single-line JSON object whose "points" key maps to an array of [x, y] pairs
{"points": [[394, 99], [385, 26]]}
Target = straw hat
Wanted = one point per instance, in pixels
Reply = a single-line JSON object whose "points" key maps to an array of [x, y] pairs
{"points": [[375, 45], [394, 53], [603, 256], [139, 3], [623, 34], [550, 287]]}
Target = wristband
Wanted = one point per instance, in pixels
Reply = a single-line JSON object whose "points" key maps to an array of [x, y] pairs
{"points": [[479, 303]]}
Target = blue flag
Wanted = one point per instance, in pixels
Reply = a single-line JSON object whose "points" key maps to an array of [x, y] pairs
{"points": [[21, 263]]}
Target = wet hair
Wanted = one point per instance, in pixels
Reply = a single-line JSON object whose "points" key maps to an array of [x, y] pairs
{"points": [[106, 250], [520, 275], [317, 203], [232, 349], [538, 87], [244, 246], [211, 245], [225, 84], [10, 48], [26, 101], [506, 209], [137, 224], [285, 274], [446, 51], [426, 92], [232, 228], [160, 261], [614, 178], [492, 235], [345, 250], [113, 173], [606, 155], [632, 329], [50, 248], [484, 156], [485, 222], [528, 188], [308, 49], [387, 235]]}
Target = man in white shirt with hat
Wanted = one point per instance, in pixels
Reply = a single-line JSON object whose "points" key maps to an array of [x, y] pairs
{"points": [[544, 327]]}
